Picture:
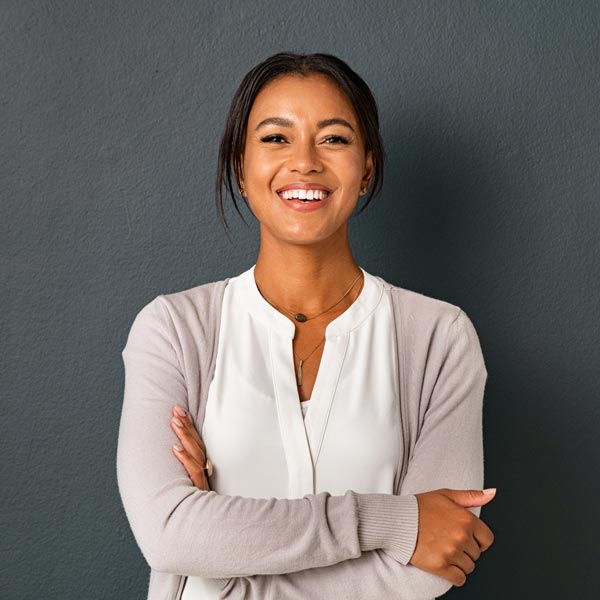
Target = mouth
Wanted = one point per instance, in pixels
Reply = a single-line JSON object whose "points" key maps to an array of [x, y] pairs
{"points": [[304, 194]]}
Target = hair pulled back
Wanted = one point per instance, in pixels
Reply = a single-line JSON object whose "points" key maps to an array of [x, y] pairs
{"points": [[233, 141]]}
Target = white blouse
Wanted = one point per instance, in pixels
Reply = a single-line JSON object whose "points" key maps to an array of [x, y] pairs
{"points": [[263, 442]]}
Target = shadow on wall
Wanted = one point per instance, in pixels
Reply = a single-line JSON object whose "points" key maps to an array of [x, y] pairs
{"points": [[463, 218], [438, 205]]}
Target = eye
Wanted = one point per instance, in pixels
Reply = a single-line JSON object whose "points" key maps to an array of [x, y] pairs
{"points": [[274, 138], [336, 139]]}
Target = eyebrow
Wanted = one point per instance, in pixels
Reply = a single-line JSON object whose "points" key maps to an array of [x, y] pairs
{"points": [[287, 123]]}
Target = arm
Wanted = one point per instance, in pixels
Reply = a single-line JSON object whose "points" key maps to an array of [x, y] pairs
{"points": [[448, 453], [181, 529]]}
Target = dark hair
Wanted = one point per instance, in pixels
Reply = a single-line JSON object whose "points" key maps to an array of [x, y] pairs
{"points": [[285, 63]]}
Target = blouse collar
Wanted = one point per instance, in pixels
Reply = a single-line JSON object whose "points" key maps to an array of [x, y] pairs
{"points": [[253, 302]]}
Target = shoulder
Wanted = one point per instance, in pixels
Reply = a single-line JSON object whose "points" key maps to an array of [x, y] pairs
{"points": [[425, 318], [204, 297], [432, 327], [196, 306], [419, 308]]}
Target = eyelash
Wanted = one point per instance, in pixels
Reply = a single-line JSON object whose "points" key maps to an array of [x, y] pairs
{"points": [[338, 138]]}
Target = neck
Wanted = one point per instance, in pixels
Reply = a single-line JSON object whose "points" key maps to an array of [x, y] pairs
{"points": [[306, 278]]}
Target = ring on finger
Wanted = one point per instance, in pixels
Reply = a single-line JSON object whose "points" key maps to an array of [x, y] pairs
{"points": [[208, 467]]}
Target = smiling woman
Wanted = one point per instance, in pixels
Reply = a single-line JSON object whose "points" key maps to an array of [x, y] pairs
{"points": [[300, 151], [325, 434]]}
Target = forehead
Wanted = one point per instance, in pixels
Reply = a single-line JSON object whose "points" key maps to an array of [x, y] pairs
{"points": [[302, 97]]}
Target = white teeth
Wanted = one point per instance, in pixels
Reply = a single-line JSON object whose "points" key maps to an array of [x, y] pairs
{"points": [[304, 194]]}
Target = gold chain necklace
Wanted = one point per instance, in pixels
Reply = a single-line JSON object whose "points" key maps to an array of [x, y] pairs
{"points": [[302, 318], [302, 361]]}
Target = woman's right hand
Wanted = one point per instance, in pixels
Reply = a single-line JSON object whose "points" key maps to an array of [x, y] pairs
{"points": [[191, 452], [451, 538]]}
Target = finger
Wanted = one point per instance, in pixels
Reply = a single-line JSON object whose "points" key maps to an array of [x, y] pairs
{"points": [[483, 535], [179, 411], [187, 441], [454, 575], [469, 498], [189, 444], [472, 549], [186, 418], [464, 563], [183, 457], [194, 432], [191, 466], [183, 414]]}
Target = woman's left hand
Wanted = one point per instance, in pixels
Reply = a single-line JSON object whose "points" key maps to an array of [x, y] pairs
{"points": [[190, 451]]}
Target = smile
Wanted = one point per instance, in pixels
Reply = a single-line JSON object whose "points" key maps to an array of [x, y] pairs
{"points": [[306, 195]]}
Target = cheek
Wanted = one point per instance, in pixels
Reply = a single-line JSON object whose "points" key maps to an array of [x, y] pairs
{"points": [[259, 167], [358, 164], [351, 168]]}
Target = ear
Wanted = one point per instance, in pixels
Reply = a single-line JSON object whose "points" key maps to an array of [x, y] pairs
{"points": [[240, 181], [369, 170]]}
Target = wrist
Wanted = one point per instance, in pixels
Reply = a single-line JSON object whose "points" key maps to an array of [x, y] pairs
{"points": [[388, 522]]}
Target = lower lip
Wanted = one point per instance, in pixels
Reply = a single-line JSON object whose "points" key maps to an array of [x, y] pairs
{"points": [[301, 206]]}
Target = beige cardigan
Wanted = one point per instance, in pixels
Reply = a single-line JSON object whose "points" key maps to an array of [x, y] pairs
{"points": [[355, 546]]}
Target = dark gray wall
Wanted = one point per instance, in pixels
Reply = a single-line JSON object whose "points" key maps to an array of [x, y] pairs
{"points": [[110, 118]]}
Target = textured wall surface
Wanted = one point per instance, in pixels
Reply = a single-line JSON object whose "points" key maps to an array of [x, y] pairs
{"points": [[111, 114]]}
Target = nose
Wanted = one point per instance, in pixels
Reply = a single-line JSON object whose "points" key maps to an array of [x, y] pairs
{"points": [[304, 158]]}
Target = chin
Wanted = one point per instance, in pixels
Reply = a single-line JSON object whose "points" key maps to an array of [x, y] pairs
{"points": [[304, 239], [303, 236]]}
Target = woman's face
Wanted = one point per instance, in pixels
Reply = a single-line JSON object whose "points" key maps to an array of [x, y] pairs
{"points": [[304, 160]]}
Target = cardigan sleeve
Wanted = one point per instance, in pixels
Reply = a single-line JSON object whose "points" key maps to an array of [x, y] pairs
{"points": [[181, 529], [448, 454]]}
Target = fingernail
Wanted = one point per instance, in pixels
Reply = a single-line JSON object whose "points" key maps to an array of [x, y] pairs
{"points": [[489, 491], [177, 422], [179, 410], [177, 448]]}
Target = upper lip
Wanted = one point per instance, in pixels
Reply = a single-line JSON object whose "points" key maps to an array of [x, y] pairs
{"points": [[304, 186]]}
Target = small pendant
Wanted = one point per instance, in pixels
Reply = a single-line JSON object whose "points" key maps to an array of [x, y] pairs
{"points": [[299, 375], [301, 317]]}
